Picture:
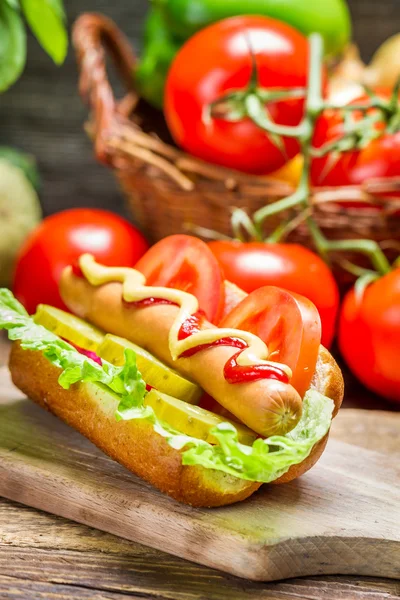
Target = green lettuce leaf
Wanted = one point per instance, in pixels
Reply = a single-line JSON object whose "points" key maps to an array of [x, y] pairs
{"points": [[264, 461], [126, 381]]}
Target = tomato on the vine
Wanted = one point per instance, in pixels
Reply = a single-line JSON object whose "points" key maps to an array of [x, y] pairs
{"points": [[218, 60], [369, 335], [379, 158], [290, 266], [59, 241]]}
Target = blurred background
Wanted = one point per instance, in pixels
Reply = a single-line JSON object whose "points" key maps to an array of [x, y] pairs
{"points": [[43, 114]]}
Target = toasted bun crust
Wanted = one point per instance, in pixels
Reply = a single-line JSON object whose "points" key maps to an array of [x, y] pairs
{"points": [[135, 445]]}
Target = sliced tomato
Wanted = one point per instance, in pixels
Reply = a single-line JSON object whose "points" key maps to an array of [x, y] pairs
{"points": [[288, 323], [186, 263]]}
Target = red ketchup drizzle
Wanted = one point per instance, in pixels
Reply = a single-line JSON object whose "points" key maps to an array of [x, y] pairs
{"points": [[233, 372]]}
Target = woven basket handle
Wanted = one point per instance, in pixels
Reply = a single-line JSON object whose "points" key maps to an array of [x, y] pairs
{"points": [[91, 34]]}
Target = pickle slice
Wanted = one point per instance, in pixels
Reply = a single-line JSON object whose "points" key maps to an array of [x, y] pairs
{"points": [[69, 327], [192, 420], [153, 371]]}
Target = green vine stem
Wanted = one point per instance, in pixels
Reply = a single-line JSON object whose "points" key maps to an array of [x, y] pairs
{"points": [[314, 106], [368, 248], [241, 223]]}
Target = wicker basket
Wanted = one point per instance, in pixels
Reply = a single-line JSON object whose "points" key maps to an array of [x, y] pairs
{"points": [[169, 191]]}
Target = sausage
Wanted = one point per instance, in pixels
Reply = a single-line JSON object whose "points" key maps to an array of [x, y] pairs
{"points": [[267, 406]]}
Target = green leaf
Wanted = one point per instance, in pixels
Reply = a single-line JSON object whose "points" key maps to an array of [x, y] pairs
{"points": [[58, 8], [13, 3], [12, 45], [25, 162], [46, 20]]}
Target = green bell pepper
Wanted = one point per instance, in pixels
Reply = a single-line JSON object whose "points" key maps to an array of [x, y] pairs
{"points": [[159, 50], [330, 18]]}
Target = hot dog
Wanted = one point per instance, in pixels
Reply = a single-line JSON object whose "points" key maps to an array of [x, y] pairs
{"points": [[201, 473]]}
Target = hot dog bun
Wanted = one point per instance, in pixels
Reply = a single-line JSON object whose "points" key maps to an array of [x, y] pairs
{"points": [[135, 445]]}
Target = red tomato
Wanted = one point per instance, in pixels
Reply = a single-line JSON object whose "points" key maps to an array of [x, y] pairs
{"points": [[60, 240], [290, 326], [186, 263], [217, 60], [380, 158], [289, 266], [369, 335]]}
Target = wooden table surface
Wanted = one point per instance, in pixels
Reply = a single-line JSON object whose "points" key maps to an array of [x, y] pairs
{"points": [[47, 557]]}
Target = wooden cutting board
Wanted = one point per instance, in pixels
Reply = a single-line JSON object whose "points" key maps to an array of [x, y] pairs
{"points": [[341, 518]]}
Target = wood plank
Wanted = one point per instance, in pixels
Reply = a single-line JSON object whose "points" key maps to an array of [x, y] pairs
{"points": [[115, 575], [343, 517], [144, 572], [12, 588]]}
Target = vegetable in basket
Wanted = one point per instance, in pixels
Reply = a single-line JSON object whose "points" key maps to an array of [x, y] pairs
{"points": [[246, 61], [159, 51], [375, 151], [351, 74], [172, 22], [330, 18]]}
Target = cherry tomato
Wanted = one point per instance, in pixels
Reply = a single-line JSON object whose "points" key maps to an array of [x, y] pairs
{"points": [[380, 158], [369, 335], [289, 266], [186, 263], [218, 60], [60, 239], [290, 326]]}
